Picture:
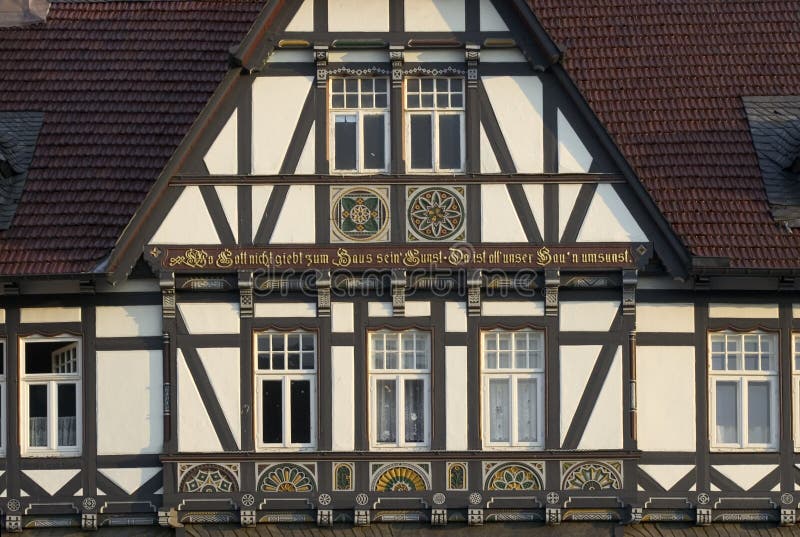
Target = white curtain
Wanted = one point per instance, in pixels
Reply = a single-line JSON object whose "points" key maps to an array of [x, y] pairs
{"points": [[727, 413], [527, 414], [415, 411], [37, 429], [499, 408], [758, 420]]}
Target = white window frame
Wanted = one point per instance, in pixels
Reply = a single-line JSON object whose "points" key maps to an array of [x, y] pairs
{"points": [[399, 375], [513, 375], [742, 377], [435, 112], [52, 381], [359, 113], [286, 376]]}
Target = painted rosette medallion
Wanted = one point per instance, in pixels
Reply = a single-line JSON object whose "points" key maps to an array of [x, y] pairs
{"points": [[359, 214], [436, 213]]}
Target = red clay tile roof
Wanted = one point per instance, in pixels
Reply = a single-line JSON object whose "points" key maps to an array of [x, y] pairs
{"points": [[666, 78], [120, 83]]}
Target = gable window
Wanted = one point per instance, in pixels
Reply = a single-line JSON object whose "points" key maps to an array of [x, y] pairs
{"points": [[286, 377], [400, 374], [50, 396], [435, 124], [743, 378], [359, 124], [513, 388]]}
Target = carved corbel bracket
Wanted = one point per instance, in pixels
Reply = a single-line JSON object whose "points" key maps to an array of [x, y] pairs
{"points": [[398, 292], [552, 279], [323, 284], [166, 281], [472, 56], [474, 282], [629, 281], [245, 282], [321, 59], [396, 57]]}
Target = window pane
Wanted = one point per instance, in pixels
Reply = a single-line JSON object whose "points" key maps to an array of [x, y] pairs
{"points": [[67, 415], [37, 409], [277, 362], [421, 142], [263, 361], [727, 413], [718, 362], [450, 142], [499, 410], [301, 411], [387, 411], [374, 132], [758, 421], [527, 425], [294, 360], [351, 101], [272, 411], [415, 410], [337, 101], [345, 137]]}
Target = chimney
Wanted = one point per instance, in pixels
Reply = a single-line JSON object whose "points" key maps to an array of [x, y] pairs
{"points": [[22, 12]]}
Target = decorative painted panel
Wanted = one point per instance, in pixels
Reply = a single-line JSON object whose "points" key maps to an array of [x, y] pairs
{"points": [[513, 475], [457, 476], [208, 477], [360, 214], [436, 213], [286, 477], [343, 476], [400, 477], [591, 475]]}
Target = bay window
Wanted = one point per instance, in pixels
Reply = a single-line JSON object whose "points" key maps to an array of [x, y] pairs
{"points": [[50, 396], [513, 388], [285, 377], [400, 370], [743, 384], [359, 124], [435, 124]]}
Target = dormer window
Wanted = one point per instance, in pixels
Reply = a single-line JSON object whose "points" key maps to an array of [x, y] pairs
{"points": [[359, 123]]}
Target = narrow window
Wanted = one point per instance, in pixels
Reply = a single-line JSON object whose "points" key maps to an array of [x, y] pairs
{"points": [[435, 124], [359, 115]]}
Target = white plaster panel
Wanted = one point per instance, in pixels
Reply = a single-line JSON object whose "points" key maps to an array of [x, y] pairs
{"points": [[665, 393], [535, 197], [584, 316], [188, 222], [343, 429], [743, 311], [128, 321], [286, 309], [440, 56], [667, 475], [488, 160], [499, 219], [417, 308], [455, 316], [259, 200], [228, 198], [342, 317], [296, 221], [502, 55], [362, 56], [307, 164], [79, 492], [222, 368], [434, 15], [609, 220], [129, 479], [51, 480], [129, 402], [291, 56], [277, 104], [604, 428], [573, 157], [195, 431], [517, 103], [714, 488], [667, 317], [510, 308], [745, 475], [567, 194], [2, 320], [303, 20], [358, 15], [379, 309], [222, 157], [576, 365], [456, 405], [795, 311], [50, 315], [490, 19], [210, 317]]}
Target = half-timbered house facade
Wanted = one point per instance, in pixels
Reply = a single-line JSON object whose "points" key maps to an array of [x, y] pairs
{"points": [[349, 262]]}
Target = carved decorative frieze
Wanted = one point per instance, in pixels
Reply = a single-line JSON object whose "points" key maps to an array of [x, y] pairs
{"points": [[89, 521], [475, 517], [247, 517], [14, 523], [552, 516], [361, 517], [788, 517], [438, 517], [325, 517], [703, 517]]}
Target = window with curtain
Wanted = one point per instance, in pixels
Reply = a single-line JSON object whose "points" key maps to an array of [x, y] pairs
{"points": [[359, 124], [400, 371], [743, 383], [51, 396], [285, 378], [512, 368]]}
